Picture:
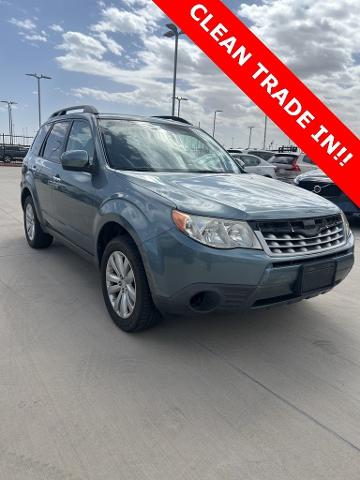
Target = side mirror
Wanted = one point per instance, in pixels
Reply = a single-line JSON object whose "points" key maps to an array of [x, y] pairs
{"points": [[76, 160]]}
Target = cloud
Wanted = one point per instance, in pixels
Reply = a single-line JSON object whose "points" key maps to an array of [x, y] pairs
{"points": [[82, 46], [110, 43], [27, 29], [115, 20], [319, 41], [36, 37], [56, 28], [140, 19], [25, 24], [312, 37]]}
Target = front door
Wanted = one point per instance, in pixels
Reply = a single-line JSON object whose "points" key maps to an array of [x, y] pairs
{"points": [[74, 195]]}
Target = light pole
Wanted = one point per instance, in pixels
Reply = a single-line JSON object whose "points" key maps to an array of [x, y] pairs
{"points": [[251, 128], [181, 99], [38, 78], [265, 131], [174, 32], [10, 103], [214, 126]]}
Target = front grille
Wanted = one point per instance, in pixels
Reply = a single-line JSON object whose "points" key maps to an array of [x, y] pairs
{"points": [[299, 237], [323, 189]]}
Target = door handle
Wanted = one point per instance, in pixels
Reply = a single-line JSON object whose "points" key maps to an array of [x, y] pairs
{"points": [[54, 181]]}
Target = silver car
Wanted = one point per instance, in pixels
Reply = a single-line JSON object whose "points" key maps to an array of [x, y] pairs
{"points": [[290, 164], [254, 164]]}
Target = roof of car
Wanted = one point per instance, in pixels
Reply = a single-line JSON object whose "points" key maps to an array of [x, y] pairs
{"points": [[257, 150], [88, 110], [282, 154]]}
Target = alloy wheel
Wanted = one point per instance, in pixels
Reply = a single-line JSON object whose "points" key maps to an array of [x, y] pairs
{"points": [[120, 284], [30, 221]]}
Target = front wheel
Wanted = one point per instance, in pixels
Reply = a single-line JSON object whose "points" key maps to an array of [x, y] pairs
{"points": [[125, 287], [35, 235]]}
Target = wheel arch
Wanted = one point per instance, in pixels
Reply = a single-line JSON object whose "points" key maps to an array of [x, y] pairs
{"points": [[24, 194], [110, 229]]}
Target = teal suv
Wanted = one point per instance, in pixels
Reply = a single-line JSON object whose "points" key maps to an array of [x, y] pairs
{"points": [[172, 222]]}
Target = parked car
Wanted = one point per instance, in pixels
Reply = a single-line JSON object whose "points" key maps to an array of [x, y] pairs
{"points": [[290, 165], [10, 153], [318, 182], [264, 154], [253, 164], [161, 208]]}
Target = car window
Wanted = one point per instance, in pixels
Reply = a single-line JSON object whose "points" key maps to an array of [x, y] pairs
{"points": [[238, 159], [250, 161], [263, 155], [55, 142], [157, 147], [39, 139], [80, 138]]}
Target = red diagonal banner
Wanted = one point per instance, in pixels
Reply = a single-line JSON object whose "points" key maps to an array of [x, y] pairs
{"points": [[231, 45]]}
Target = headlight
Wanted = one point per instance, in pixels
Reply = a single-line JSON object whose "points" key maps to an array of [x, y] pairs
{"points": [[216, 232], [347, 229]]}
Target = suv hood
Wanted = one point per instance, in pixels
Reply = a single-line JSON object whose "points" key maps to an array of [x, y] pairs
{"points": [[235, 196]]}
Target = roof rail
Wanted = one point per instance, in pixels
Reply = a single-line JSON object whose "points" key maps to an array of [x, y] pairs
{"points": [[84, 108], [173, 118]]}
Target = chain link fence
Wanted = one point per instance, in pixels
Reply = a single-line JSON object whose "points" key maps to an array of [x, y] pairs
{"points": [[13, 149]]}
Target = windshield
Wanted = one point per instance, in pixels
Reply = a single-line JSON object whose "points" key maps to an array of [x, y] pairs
{"points": [[154, 147]]}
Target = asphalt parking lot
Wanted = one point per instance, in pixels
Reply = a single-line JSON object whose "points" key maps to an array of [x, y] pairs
{"points": [[262, 396]]}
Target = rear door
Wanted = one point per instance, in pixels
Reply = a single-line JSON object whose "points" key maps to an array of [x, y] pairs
{"points": [[74, 195], [46, 167]]}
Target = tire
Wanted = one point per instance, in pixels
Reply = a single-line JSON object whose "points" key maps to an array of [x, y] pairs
{"points": [[129, 304], [35, 235], [7, 159]]}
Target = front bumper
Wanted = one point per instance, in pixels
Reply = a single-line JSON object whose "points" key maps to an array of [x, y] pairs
{"points": [[187, 277]]}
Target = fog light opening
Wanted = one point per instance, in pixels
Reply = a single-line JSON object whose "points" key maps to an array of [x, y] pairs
{"points": [[205, 301]]}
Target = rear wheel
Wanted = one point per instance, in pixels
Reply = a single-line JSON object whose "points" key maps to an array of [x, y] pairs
{"points": [[35, 235], [125, 287]]}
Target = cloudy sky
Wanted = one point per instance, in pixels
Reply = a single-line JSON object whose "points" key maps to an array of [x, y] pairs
{"points": [[113, 55]]}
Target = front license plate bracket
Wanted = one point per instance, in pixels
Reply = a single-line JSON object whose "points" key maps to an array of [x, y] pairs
{"points": [[316, 276]]}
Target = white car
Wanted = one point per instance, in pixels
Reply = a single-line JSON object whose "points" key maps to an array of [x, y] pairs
{"points": [[290, 164], [253, 164]]}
